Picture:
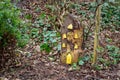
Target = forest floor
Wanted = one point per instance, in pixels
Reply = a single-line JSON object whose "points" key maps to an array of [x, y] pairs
{"points": [[41, 66]]}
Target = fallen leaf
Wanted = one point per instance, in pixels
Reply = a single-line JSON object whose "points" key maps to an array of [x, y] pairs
{"points": [[37, 48], [118, 73]]}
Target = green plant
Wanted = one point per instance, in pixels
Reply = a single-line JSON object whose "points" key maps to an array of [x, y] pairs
{"points": [[46, 33], [10, 33], [114, 53], [100, 49], [34, 32], [74, 66], [28, 16], [86, 12], [46, 47], [97, 67], [104, 62], [9, 18], [50, 40], [110, 16], [112, 57], [83, 59], [11, 23], [23, 40]]}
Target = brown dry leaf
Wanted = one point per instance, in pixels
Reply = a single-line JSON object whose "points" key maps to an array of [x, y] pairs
{"points": [[118, 73], [37, 48]]}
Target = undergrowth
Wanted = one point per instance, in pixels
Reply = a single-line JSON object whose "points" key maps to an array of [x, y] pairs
{"points": [[10, 33]]}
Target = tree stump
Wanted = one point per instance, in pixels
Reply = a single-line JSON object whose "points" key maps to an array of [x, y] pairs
{"points": [[71, 39]]}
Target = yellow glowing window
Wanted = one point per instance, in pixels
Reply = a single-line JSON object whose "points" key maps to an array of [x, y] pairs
{"points": [[64, 36], [76, 46], [70, 26], [75, 35], [63, 45]]}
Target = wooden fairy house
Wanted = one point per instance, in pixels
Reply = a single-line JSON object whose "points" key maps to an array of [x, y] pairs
{"points": [[71, 39]]}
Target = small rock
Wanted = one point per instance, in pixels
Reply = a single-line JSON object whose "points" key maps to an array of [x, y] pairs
{"points": [[70, 69], [51, 58], [17, 79], [37, 48], [5, 79], [36, 62], [118, 73], [47, 64]]}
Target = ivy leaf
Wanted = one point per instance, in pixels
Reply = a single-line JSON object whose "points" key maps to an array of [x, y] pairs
{"points": [[111, 0], [81, 62], [86, 58]]}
